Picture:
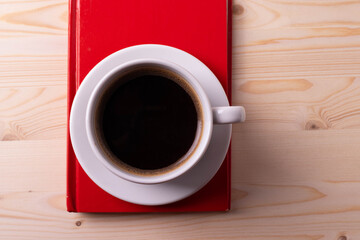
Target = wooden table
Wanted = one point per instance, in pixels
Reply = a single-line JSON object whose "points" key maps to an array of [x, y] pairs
{"points": [[296, 161]]}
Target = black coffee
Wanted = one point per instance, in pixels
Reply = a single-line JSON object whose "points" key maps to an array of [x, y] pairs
{"points": [[149, 122]]}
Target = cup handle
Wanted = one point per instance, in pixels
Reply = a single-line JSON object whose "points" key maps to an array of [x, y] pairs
{"points": [[230, 114]]}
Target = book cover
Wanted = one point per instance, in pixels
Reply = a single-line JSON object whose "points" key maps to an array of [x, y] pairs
{"points": [[98, 29]]}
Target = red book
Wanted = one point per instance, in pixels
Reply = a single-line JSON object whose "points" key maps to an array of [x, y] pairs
{"points": [[99, 28]]}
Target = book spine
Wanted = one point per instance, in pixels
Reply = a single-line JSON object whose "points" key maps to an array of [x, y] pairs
{"points": [[71, 89]]}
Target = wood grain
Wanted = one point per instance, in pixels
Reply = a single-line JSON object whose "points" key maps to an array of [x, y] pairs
{"points": [[295, 169]]}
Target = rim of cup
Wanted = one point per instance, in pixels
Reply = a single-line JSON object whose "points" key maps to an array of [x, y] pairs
{"points": [[194, 156]]}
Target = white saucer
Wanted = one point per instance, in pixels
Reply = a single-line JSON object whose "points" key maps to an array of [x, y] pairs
{"points": [[150, 194]]}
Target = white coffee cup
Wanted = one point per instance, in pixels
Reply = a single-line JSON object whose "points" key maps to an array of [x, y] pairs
{"points": [[209, 116]]}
